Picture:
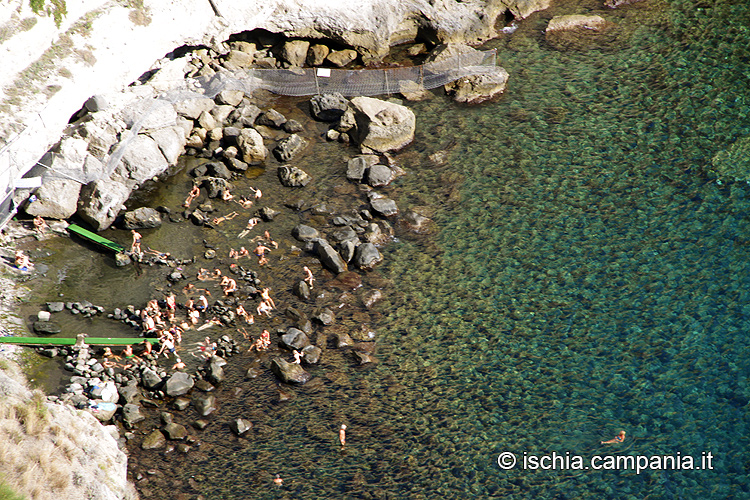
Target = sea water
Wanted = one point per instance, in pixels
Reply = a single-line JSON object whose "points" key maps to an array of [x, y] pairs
{"points": [[586, 274]]}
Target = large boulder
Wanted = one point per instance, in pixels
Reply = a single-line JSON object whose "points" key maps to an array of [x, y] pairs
{"points": [[55, 199], [100, 201], [470, 89], [178, 383], [295, 339], [293, 176], [576, 31], [171, 142], [295, 52], [142, 218], [290, 373], [328, 107], [474, 89], [329, 257], [287, 148], [250, 144], [143, 159], [367, 256], [381, 126]]}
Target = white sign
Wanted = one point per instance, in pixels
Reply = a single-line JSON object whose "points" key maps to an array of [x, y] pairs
{"points": [[324, 72]]}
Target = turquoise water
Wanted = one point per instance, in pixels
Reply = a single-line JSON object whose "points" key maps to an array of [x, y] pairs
{"points": [[588, 274]]}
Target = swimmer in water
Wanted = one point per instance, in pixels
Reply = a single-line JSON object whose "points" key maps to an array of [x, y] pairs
{"points": [[194, 193], [342, 435], [617, 439]]}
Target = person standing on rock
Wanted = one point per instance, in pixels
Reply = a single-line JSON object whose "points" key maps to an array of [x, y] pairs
{"points": [[309, 278], [135, 248]]}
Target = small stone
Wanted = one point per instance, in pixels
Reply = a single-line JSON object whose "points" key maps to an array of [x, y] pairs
{"points": [[240, 426]]}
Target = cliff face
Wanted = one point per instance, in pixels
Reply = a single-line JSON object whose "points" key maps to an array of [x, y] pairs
{"points": [[99, 46], [52, 451]]}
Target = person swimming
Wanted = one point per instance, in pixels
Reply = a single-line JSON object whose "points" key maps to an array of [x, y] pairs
{"points": [[617, 439]]}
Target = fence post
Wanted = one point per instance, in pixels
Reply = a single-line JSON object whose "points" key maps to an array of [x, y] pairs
{"points": [[317, 86], [387, 89]]}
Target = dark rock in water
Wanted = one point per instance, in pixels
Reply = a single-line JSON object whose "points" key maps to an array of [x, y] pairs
{"points": [[252, 372], [215, 185], [295, 339], [292, 127], [356, 168], [343, 340], [204, 404], [240, 426], [154, 441], [328, 107], [203, 385], [46, 328], [198, 217], [122, 259], [417, 222], [311, 354], [379, 175], [55, 306], [384, 206], [329, 256], [293, 176], [268, 213], [150, 379], [180, 404], [343, 234], [142, 218], [290, 373], [347, 248], [215, 373], [305, 233], [367, 256], [49, 353], [271, 118], [301, 290], [210, 254], [236, 165], [130, 392], [363, 358], [287, 148], [212, 169], [178, 383], [131, 415], [200, 424], [175, 276], [175, 432], [325, 316], [244, 116], [371, 297]]}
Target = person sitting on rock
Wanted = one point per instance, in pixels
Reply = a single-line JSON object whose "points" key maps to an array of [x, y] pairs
{"points": [[194, 193], [257, 192], [229, 285], [23, 262], [297, 357], [40, 226], [226, 195], [264, 308], [265, 295]]}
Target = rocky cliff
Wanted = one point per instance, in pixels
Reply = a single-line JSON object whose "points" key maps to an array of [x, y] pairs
{"points": [[52, 451], [58, 56]]}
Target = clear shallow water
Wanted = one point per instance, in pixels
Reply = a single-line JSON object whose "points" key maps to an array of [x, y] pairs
{"points": [[586, 276]]}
